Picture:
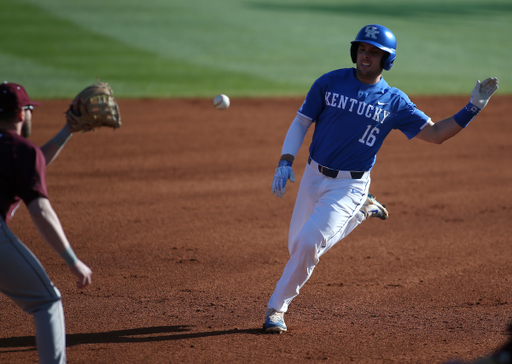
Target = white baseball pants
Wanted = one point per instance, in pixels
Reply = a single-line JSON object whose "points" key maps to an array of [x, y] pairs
{"points": [[326, 210]]}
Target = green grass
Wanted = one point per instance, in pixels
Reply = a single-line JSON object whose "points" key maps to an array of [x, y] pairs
{"points": [[189, 48]]}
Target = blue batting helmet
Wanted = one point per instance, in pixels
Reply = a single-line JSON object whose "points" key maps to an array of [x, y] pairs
{"points": [[379, 36]]}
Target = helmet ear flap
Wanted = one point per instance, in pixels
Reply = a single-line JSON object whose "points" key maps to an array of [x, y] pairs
{"points": [[353, 51], [384, 61], [387, 61]]}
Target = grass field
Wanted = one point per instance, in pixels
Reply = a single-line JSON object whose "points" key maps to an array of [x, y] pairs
{"points": [[177, 48]]}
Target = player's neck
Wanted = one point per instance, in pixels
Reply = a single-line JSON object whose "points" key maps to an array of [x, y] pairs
{"points": [[10, 126], [368, 78]]}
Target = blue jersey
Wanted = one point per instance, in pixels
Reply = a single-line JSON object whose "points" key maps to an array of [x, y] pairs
{"points": [[353, 119]]}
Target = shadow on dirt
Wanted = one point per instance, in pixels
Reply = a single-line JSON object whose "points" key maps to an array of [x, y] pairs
{"points": [[147, 334]]}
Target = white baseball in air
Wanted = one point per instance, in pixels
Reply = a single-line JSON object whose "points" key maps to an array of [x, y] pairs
{"points": [[221, 102]]}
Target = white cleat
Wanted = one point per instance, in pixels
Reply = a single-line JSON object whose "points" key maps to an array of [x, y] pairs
{"points": [[274, 322], [373, 208]]}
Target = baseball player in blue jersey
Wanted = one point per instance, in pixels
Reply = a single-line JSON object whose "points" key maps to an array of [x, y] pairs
{"points": [[353, 110], [23, 178]]}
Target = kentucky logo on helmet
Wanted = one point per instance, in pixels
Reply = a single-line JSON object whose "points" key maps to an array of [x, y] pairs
{"points": [[371, 32]]}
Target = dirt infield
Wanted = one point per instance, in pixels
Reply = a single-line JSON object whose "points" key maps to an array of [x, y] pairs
{"points": [[174, 214]]}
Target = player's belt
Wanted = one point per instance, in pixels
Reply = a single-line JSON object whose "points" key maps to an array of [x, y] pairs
{"points": [[334, 173]]}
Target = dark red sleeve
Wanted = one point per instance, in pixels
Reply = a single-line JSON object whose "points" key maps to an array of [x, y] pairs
{"points": [[22, 173], [31, 174]]}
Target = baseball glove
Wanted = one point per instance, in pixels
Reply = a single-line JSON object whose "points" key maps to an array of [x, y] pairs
{"points": [[93, 107]]}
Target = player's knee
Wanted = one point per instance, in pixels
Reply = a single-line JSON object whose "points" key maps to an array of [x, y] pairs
{"points": [[33, 305], [309, 241]]}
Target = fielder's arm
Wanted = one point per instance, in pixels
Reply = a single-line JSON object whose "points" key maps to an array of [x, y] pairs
{"points": [[53, 147], [48, 224]]}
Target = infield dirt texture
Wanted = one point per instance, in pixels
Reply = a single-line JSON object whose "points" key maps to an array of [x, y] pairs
{"points": [[174, 214]]}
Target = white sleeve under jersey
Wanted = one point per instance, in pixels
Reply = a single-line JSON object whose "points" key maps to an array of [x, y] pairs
{"points": [[296, 133]]}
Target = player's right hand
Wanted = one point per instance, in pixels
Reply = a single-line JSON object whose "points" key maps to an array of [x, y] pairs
{"points": [[83, 273], [282, 175]]}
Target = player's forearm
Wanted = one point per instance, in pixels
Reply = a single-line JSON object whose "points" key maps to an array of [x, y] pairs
{"points": [[53, 147], [446, 129], [48, 224], [441, 131], [295, 137]]}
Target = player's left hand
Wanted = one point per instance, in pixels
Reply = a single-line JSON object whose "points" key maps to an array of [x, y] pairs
{"points": [[282, 175], [483, 91], [83, 273]]}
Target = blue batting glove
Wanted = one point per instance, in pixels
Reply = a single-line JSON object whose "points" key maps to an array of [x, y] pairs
{"points": [[284, 172]]}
